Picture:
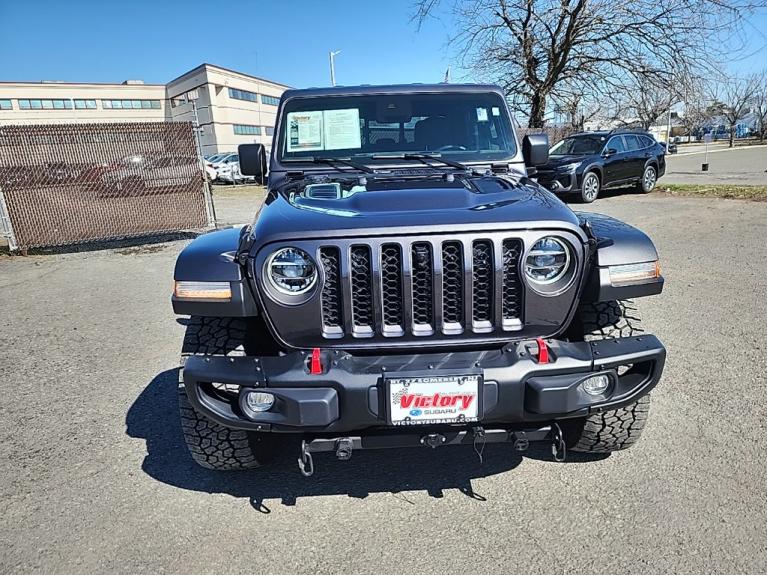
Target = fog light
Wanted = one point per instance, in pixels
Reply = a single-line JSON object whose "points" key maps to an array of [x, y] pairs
{"points": [[596, 384], [259, 401]]}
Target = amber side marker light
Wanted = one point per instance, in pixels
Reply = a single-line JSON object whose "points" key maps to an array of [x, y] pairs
{"points": [[217, 291], [632, 274]]}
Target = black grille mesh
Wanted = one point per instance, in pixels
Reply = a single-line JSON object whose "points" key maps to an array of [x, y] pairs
{"points": [[512, 288], [482, 276], [391, 284], [423, 287], [452, 282], [331, 290], [362, 286]]}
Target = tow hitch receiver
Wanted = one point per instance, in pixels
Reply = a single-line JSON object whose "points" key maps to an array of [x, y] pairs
{"points": [[433, 440]]}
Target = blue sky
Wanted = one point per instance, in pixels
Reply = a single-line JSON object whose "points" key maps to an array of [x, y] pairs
{"points": [[287, 41]]}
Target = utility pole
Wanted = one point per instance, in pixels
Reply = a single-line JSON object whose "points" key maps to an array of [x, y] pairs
{"points": [[668, 130], [333, 66]]}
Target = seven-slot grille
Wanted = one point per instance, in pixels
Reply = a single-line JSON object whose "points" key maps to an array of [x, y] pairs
{"points": [[422, 287]]}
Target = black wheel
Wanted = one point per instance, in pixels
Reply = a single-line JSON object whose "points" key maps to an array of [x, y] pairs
{"points": [[618, 428], [590, 187], [648, 181], [211, 445]]}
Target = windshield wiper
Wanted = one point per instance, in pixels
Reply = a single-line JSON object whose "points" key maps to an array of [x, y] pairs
{"points": [[331, 162], [423, 159]]}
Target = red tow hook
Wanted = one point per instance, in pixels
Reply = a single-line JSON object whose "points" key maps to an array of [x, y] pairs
{"points": [[543, 351], [315, 365]]}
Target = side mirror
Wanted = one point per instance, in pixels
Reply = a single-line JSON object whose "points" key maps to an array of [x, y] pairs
{"points": [[609, 152], [535, 149], [253, 161]]}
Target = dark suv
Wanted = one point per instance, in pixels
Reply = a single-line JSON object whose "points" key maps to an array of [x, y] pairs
{"points": [[586, 163], [405, 284]]}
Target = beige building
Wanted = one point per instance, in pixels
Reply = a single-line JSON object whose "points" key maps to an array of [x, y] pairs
{"points": [[231, 107]]}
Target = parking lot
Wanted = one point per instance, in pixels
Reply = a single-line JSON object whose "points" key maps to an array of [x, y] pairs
{"points": [[737, 166], [96, 477]]}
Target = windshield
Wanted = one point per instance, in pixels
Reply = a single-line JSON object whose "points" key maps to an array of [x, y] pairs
{"points": [[461, 127], [579, 146]]}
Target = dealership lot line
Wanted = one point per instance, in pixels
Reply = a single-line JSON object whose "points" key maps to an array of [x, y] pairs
{"points": [[96, 478]]}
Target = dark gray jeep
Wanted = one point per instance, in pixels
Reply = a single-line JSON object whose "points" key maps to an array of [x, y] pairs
{"points": [[406, 283]]}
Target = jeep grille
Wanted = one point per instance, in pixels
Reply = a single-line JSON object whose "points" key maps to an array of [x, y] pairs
{"points": [[471, 286]]}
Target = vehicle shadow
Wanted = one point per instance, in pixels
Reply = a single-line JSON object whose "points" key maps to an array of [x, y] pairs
{"points": [[154, 418]]}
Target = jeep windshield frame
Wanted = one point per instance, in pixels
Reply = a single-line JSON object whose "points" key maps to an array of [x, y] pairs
{"points": [[466, 127]]}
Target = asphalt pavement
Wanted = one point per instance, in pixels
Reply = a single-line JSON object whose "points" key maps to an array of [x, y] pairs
{"points": [[743, 165], [95, 477]]}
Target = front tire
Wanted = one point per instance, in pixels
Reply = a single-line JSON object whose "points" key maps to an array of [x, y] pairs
{"points": [[590, 187], [210, 444], [616, 429]]}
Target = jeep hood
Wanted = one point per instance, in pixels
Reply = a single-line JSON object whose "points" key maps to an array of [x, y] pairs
{"points": [[408, 206]]}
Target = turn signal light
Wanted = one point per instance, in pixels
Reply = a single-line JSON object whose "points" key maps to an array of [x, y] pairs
{"points": [[632, 274], [192, 290]]}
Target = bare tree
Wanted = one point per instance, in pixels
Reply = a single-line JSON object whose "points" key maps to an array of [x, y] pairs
{"points": [[539, 50], [760, 105], [732, 98], [696, 106], [642, 101]]}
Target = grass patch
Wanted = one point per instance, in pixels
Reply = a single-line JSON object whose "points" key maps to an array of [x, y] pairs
{"points": [[754, 193]]}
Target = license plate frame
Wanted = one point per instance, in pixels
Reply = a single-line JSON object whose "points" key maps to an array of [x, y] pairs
{"points": [[446, 384]]}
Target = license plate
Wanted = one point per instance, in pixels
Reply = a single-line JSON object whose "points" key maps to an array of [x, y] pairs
{"points": [[433, 399]]}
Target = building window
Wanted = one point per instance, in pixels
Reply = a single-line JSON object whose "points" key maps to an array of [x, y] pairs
{"points": [[6, 105], [243, 95], [269, 131], [130, 104], [243, 130], [271, 100], [45, 104], [85, 104]]}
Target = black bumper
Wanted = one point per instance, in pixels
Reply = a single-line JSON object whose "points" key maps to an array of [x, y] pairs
{"points": [[349, 395]]}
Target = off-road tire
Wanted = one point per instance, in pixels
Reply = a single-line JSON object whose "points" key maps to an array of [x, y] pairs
{"points": [[211, 445], [616, 429]]}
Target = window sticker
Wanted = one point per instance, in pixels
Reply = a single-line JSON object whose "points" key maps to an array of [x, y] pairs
{"points": [[496, 111], [305, 131], [324, 130], [342, 129], [481, 114]]}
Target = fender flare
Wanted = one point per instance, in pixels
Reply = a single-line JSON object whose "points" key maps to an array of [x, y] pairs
{"points": [[212, 257]]}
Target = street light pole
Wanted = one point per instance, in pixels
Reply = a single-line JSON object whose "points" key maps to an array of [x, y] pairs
{"points": [[333, 66]]}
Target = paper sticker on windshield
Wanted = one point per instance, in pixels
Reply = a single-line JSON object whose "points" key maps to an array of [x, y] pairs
{"points": [[305, 131], [481, 114], [496, 111], [342, 129]]}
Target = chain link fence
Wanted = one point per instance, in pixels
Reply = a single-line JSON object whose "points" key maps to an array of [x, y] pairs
{"points": [[72, 183]]}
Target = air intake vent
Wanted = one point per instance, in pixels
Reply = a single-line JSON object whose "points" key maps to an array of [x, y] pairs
{"points": [[331, 293], [391, 287], [482, 286], [452, 287]]}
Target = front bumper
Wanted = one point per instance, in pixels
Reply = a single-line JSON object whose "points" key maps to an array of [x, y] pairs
{"points": [[349, 394]]}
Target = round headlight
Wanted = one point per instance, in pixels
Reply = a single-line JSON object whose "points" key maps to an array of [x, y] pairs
{"points": [[548, 261], [291, 271]]}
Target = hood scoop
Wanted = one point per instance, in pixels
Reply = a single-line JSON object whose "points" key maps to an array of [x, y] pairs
{"points": [[326, 191]]}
